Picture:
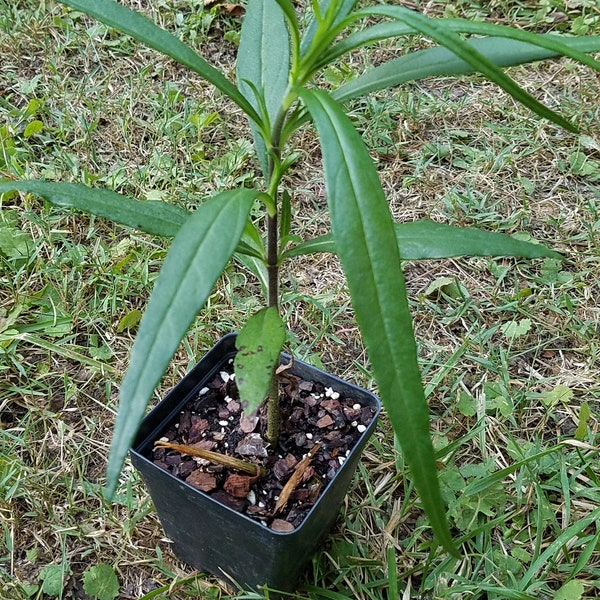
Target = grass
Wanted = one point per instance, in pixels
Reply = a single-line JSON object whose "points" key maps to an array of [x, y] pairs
{"points": [[509, 349]]}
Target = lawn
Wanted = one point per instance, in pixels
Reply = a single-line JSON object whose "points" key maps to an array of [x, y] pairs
{"points": [[509, 349]]}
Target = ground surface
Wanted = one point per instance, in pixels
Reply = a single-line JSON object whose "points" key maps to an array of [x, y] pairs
{"points": [[509, 349]]}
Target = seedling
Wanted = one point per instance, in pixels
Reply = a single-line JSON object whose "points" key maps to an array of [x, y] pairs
{"points": [[278, 64]]}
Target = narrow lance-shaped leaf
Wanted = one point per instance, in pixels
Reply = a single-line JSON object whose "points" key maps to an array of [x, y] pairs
{"points": [[344, 7], [259, 345], [367, 247], [197, 257], [139, 27], [555, 44], [421, 240], [157, 218], [264, 61], [434, 29], [440, 61]]}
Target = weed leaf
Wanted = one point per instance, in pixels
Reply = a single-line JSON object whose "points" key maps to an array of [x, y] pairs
{"points": [[197, 257], [367, 247], [100, 581], [52, 577]]}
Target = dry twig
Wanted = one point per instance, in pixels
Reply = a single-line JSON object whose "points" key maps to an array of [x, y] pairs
{"points": [[214, 457]]}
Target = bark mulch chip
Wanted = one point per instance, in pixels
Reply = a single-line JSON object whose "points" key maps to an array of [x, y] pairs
{"points": [[313, 417]]}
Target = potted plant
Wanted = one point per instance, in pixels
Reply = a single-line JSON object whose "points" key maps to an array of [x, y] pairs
{"points": [[278, 63]]}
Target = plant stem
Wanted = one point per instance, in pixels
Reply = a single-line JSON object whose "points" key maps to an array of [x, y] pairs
{"points": [[273, 412], [274, 175], [272, 261]]}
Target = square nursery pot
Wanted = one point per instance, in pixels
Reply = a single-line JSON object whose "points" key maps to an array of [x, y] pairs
{"points": [[214, 538]]}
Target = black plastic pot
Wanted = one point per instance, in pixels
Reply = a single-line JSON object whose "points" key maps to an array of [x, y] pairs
{"points": [[214, 538]]}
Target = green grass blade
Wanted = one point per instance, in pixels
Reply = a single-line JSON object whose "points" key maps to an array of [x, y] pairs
{"points": [[422, 240], [480, 485], [142, 29], [151, 216], [259, 344], [440, 61], [557, 546], [197, 257], [367, 247], [65, 350], [263, 63]]}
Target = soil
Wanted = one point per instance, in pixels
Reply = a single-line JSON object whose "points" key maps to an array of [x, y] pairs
{"points": [[316, 421]]}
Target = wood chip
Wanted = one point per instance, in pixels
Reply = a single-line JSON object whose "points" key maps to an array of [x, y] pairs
{"points": [[248, 423], [238, 486], [296, 478], [281, 526], [202, 481], [325, 421], [197, 427], [252, 445], [283, 467]]}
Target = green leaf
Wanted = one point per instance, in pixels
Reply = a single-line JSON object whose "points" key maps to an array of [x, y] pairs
{"points": [[14, 243], [52, 577], [515, 329], [467, 405], [32, 128], [285, 217], [558, 394], [343, 8], [427, 239], [100, 581], [419, 240], [142, 29], [130, 320], [444, 285], [322, 243], [572, 590], [264, 62], [368, 250], [264, 55], [151, 216], [259, 345], [435, 30], [196, 259], [440, 61], [553, 44], [582, 425]]}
